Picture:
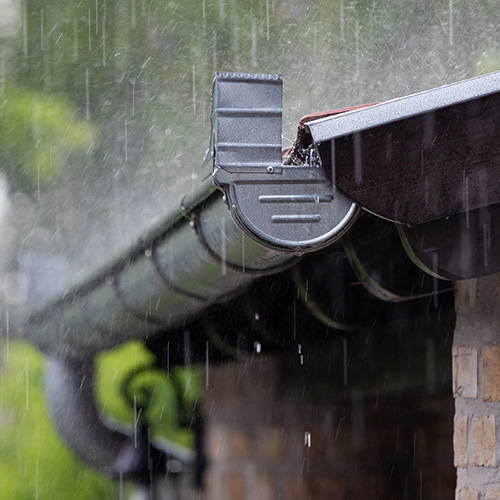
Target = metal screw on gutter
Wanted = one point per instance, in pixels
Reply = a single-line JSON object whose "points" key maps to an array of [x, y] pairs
{"points": [[270, 170]]}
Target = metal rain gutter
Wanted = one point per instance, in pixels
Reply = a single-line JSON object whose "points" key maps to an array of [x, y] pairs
{"points": [[240, 224], [254, 215], [409, 160], [204, 252]]}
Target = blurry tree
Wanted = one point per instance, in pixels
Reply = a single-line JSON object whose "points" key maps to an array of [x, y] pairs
{"points": [[39, 134], [34, 462]]}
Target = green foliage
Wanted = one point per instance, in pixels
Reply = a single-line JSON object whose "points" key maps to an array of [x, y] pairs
{"points": [[34, 463], [127, 378], [38, 134]]}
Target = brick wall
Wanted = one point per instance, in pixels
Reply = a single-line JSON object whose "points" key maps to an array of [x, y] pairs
{"points": [[265, 441], [476, 388]]}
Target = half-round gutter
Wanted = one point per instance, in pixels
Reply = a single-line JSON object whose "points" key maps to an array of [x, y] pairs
{"points": [[253, 216], [197, 257]]}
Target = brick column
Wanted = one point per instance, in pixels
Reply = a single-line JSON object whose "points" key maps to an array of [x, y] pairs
{"points": [[476, 388]]}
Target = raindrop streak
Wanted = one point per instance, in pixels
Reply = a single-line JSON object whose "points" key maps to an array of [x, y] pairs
{"points": [[75, 39], [41, 30], [36, 478], [187, 348], [450, 23], [267, 20], [168, 359], [96, 17], [307, 443], [486, 239], [188, 384], [137, 416], [87, 94], [24, 15], [90, 32], [358, 418], [421, 485], [253, 50], [144, 64], [307, 439], [132, 82], [345, 360], [430, 365], [356, 74], [38, 182], [467, 221], [435, 283], [243, 254], [162, 411], [314, 41], [333, 163], [206, 364], [7, 336], [104, 36], [121, 491], [132, 9], [194, 90], [27, 368], [342, 19], [214, 50], [126, 140], [414, 450], [358, 174], [223, 249], [2, 75]]}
